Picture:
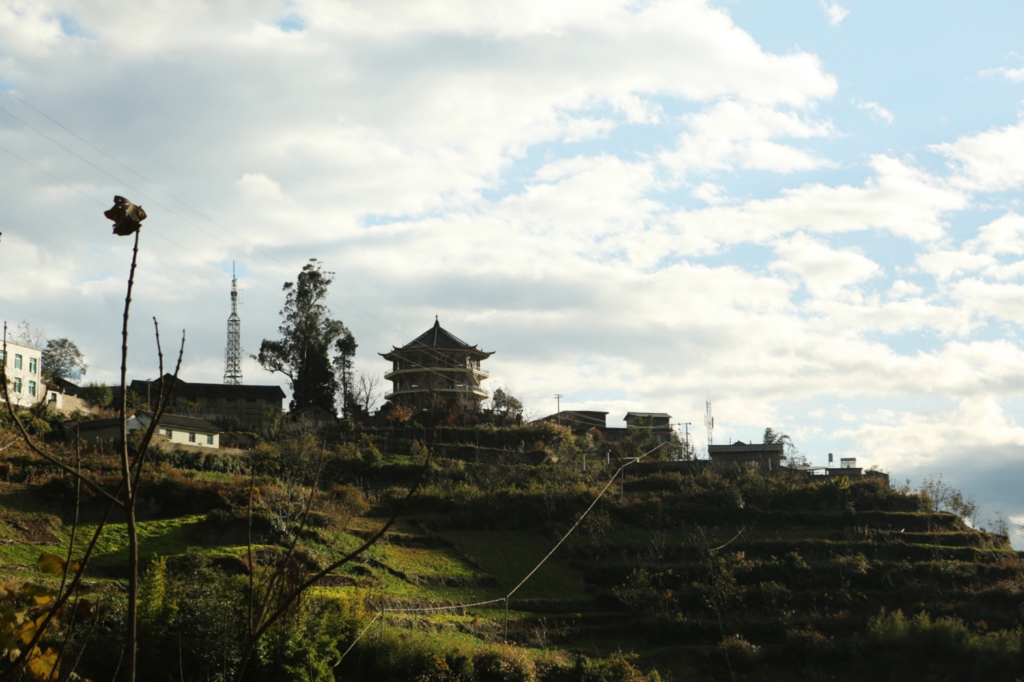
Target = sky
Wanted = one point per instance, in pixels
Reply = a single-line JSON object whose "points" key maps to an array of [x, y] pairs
{"points": [[807, 212]]}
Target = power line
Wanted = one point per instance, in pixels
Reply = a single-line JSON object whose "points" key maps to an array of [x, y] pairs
{"points": [[387, 328], [427, 351], [450, 607]]}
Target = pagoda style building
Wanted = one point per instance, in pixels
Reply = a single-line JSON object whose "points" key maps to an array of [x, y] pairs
{"points": [[437, 370]]}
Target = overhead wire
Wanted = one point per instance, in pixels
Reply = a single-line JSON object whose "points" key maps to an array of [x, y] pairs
{"points": [[434, 609], [358, 312], [387, 329], [156, 232], [365, 316]]}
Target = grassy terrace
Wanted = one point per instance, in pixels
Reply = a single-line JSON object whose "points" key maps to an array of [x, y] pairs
{"points": [[670, 571]]}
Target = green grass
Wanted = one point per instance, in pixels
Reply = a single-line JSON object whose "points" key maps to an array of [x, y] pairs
{"points": [[166, 537], [509, 556]]}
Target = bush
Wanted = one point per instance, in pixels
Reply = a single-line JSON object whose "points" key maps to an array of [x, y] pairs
{"points": [[507, 664], [920, 646], [96, 394], [741, 653], [39, 427]]}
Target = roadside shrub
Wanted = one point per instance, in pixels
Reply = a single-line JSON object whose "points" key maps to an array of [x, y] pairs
{"points": [[618, 668], [741, 653], [920, 646], [507, 664], [39, 427], [808, 646]]}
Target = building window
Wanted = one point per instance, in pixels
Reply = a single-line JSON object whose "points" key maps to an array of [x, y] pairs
{"points": [[168, 433], [191, 438], [209, 440], [17, 385], [32, 388], [53, 397], [17, 361], [3, 358], [32, 365]]}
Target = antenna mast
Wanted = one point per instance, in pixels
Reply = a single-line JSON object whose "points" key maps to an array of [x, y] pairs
{"points": [[233, 352], [709, 421]]}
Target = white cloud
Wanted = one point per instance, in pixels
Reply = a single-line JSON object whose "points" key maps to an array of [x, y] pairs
{"points": [[902, 289], [835, 12], [743, 135], [991, 161], [899, 199], [919, 437], [710, 193], [825, 271], [1004, 235], [875, 110], [1015, 75]]}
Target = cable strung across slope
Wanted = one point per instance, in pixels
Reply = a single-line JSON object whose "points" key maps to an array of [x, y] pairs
{"points": [[450, 607]]}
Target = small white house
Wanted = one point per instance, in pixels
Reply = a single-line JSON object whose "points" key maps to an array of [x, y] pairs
{"points": [[175, 428], [23, 366], [183, 430]]}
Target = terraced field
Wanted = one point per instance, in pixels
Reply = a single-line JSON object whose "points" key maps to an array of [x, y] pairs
{"points": [[701, 575]]}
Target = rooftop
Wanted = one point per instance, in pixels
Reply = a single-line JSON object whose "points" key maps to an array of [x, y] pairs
{"points": [[191, 423], [185, 389], [440, 338]]}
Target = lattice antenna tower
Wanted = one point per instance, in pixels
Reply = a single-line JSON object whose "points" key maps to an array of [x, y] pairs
{"points": [[233, 352], [709, 421]]}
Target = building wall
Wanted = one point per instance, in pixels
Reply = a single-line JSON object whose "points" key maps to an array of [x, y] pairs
{"points": [[24, 366], [179, 435], [248, 412], [420, 378]]}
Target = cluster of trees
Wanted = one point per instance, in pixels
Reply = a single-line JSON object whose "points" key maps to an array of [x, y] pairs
{"points": [[315, 351]]}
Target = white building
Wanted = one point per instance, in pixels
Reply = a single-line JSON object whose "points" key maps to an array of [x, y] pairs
{"points": [[174, 428], [23, 366], [183, 430]]}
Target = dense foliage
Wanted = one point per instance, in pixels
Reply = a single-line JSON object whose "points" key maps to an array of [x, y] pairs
{"points": [[309, 335], [703, 573]]}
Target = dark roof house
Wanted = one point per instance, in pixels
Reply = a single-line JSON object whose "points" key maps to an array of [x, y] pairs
{"points": [[241, 405], [765, 456]]}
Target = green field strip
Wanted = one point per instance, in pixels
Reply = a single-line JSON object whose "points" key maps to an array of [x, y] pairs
{"points": [[510, 555]]}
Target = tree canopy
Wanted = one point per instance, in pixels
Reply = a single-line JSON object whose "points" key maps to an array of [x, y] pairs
{"points": [[792, 455], [506, 404], [308, 337], [62, 359]]}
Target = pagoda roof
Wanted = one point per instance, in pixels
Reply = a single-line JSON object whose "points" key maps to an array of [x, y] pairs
{"points": [[437, 337]]}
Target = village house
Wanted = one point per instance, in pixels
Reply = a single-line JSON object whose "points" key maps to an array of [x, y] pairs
{"points": [[579, 421], [172, 427], [23, 366], [764, 456], [249, 407]]}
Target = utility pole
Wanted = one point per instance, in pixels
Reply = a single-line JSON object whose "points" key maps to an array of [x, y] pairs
{"points": [[558, 397], [686, 426]]}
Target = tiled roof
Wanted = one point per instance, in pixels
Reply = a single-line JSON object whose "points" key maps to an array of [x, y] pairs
{"points": [[437, 337], [184, 389], [579, 418], [94, 424], [192, 423], [740, 446]]}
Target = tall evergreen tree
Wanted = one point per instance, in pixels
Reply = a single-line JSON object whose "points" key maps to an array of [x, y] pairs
{"points": [[308, 337]]}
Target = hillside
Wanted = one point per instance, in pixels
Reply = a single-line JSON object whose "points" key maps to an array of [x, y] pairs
{"points": [[697, 574]]}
